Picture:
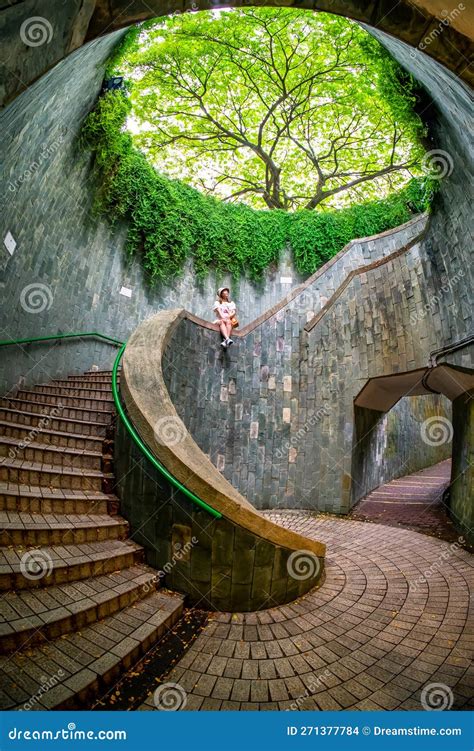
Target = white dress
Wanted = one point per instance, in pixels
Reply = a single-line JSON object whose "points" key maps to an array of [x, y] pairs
{"points": [[225, 309]]}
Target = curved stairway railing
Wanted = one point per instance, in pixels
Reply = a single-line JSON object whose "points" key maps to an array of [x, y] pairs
{"points": [[144, 448]]}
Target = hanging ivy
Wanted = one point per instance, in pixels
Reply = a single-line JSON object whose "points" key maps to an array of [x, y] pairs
{"points": [[169, 221]]}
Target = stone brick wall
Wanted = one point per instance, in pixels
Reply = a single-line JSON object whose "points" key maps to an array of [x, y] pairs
{"points": [[461, 497], [68, 267], [275, 413], [219, 565], [447, 252]]}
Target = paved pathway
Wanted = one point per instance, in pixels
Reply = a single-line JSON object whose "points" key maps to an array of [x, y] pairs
{"points": [[414, 502], [388, 622]]}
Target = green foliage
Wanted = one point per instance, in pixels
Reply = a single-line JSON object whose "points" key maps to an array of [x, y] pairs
{"points": [[170, 221], [276, 107], [315, 237], [129, 45]]}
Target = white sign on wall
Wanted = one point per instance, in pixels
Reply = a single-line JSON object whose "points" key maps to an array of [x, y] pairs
{"points": [[9, 242]]}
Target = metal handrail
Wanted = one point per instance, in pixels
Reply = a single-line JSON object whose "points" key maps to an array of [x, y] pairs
{"points": [[118, 405], [144, 448], [448, 348], [9, 342]]}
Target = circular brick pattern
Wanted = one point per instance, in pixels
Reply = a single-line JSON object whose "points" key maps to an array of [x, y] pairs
{"points": [[388, 621]]}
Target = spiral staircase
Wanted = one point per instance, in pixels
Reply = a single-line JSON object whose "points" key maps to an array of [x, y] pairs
{"points": [[79, 605]]}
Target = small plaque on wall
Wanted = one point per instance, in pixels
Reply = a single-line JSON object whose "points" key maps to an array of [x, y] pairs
{"points": [[9, 242], [126, 291], [286, 280]]}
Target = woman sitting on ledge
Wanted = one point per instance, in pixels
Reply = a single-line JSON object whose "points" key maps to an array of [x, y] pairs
{"points": [[226, 311]]}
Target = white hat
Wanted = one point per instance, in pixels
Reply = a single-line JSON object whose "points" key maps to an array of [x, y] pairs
{"points": [[221, 290]]}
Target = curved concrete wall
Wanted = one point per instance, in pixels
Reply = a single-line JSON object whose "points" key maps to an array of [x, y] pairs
{"points": [[242, 561]]}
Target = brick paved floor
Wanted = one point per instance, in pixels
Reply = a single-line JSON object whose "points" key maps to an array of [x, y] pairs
{"points": [[388, 621], [413, 502]]}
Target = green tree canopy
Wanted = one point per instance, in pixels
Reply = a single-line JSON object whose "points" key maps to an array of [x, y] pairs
{"points": [[280, 108]]}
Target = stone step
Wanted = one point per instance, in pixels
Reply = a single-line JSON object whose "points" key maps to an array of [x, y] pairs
{"points": [[59, 529], [31, 568], [48, 475], [37, 499], [93, 376], [70, 672], [28, 618], [84, 383], [86, 391], [24, 433], [98, 373], [82, 414], [102, 380], [39, 452], [81, 428], [61, 400]]}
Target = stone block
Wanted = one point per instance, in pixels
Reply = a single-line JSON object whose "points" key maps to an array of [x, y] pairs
{"points": [[200, 564]]}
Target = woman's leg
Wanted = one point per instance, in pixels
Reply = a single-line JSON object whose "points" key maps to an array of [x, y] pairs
{"points": [[223, 328], [229, 329]]}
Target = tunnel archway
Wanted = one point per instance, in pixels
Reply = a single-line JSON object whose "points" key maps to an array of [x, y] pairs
{"points": [[443, 433]]}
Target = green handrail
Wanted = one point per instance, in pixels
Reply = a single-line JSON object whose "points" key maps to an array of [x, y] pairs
{"points": [[9, 342], [118, 405], [145, 450]]}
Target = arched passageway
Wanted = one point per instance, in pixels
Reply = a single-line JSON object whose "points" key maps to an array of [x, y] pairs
{"points": [[411, 498]]}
